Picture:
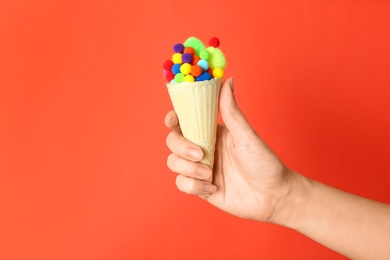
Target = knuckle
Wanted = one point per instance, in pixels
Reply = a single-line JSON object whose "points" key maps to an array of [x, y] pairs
{"points": [[191, 186], [185, 185], [194, 168]]}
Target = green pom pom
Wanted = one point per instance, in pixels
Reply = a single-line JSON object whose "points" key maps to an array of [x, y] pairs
{"points": [[204, 55], [196, 44], [179, 78], [217, 58]]}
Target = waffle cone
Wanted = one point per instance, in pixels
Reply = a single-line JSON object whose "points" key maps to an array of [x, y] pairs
{"points": [[196, 105]]}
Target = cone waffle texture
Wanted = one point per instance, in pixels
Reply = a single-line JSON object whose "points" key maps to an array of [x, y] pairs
{"points": [[196, 105]]}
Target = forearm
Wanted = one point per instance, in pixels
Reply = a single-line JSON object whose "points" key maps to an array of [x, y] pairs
{"points": [[351, 225]]}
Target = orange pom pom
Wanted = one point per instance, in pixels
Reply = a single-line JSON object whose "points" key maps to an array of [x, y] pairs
{"points": [[196, 70], [189, 50], [195, 60]]}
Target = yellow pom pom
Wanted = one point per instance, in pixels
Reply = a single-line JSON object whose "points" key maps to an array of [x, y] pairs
{"points": [[218, 73], [188, 78], [185, 68], [176, 58]]}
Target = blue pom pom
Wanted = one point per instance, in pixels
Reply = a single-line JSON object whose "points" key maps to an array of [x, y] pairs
{"points": [[204, 76], [204, 64], [178, 48], [207, 75], [176, 68]]}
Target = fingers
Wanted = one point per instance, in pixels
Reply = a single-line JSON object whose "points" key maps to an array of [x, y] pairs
{"points": [[184, 161], [187, 168], [183, 148], [192, 178], [194, 186], [171, 121]]}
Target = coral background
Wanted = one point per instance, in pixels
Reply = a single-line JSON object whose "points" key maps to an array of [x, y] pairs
{"points": [[82, 100]]}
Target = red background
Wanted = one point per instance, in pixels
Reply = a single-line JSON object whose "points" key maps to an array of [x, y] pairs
{"points": [[82, 102]]}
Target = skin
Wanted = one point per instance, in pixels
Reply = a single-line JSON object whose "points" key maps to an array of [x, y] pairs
{"points": [[250, 181]]}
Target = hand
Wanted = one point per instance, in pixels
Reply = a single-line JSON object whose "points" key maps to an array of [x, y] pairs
{"points": [[249, 180]]}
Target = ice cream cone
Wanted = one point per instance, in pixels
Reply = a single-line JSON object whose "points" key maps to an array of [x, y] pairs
{"points": [[196, 105]]}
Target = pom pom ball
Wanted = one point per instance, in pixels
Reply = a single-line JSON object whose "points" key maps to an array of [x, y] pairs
{"points": [[168, 75], [195, 43], [167, 65], [185, 68], [179, 78], [176, 68], [218, 73], [187, 58], [188, 78], [196, 70], [204, 64], [204, 76], [204, 55], [189, 50], [217, 58], [176, 58], [178, 48], [196, 58], [214, 41]]}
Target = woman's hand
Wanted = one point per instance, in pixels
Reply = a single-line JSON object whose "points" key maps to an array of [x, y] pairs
{"points": [[249, 180]]}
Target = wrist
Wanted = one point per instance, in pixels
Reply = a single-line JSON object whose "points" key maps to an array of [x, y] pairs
{"points": [[295, 191]]}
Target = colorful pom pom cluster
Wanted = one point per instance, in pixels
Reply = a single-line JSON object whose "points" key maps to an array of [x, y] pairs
{"points": [[192, 61]]}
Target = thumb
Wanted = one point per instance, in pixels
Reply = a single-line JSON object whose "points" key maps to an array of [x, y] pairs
{"points": [[234, 120]]}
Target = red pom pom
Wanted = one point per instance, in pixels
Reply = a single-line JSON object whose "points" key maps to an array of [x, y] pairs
{"points": [[168, 65], [169, 75], [210, 71], [214, 41]]}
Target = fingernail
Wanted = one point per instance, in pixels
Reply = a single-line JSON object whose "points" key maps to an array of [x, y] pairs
{"points": [[208, 187], [194, 153], [203, 171]]}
